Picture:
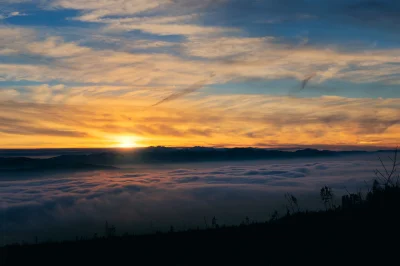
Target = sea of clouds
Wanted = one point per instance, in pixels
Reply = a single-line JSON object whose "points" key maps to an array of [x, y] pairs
{"points": [[147, 198]]}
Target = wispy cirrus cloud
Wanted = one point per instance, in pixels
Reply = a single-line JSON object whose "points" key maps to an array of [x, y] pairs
{"points": [[137, 53], [11, 14], [98, 9], [122, 15], [250, 120], [248, 58]]}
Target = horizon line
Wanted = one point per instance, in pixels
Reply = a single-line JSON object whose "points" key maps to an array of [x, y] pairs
{"points": [[284, 147]]}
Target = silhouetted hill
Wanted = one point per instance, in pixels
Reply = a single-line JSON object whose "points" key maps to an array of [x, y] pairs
{"points": [[19, 164], [106, 159]]}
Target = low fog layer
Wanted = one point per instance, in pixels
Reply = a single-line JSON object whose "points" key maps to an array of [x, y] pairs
{"points": [[143, 198]]}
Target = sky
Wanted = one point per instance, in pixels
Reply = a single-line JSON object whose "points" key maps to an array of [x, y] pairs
{"points": [[225, 73]]}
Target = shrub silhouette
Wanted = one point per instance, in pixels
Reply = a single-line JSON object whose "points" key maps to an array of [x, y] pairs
{"points": [[110, 231], [326, 195], [293, 203]]}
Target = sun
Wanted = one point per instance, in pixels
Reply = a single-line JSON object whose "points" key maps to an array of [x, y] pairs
{"points": [[126, 142]]}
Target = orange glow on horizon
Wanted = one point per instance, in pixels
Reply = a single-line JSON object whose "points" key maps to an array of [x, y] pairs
{"points": [[127, 142], [280, 123]]}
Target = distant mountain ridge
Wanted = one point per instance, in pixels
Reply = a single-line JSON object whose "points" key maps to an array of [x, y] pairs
{"points": [[111, 159]]}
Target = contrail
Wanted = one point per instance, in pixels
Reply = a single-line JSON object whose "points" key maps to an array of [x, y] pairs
{"points": [[198, 85], [304, 83], [306, 80]]}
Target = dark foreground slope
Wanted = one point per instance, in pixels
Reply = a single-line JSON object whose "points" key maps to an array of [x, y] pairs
{"points": [[363, 231]]}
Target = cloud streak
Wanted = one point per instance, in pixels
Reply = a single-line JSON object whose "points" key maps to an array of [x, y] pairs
{"points": [[198, 85], [119, 56], [251, 120]]}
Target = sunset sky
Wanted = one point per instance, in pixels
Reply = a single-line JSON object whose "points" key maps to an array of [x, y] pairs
{"points": [[90, 73]]}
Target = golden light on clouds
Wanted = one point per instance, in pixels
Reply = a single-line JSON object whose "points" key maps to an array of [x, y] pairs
{"points": [[97, 86], [224, 120]]}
